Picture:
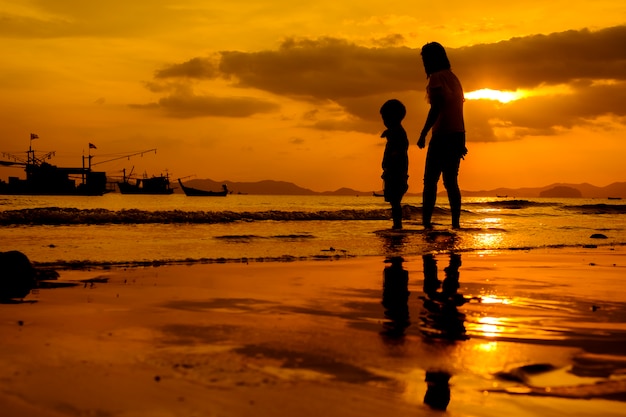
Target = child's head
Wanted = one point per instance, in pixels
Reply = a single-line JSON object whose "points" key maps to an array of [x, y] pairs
{"points": [[392, 112]]}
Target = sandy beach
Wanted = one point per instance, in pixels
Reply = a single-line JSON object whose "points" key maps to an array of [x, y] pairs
{"points": [[518, 333]]}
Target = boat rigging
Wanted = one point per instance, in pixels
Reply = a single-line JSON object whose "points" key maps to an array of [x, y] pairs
{"points": [[43, 178]]}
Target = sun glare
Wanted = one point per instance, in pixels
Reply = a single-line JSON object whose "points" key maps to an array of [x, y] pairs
{"points": [[496, 95], [504, 96]]}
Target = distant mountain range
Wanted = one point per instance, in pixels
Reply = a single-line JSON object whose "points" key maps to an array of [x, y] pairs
{"points": [[558, 190]]}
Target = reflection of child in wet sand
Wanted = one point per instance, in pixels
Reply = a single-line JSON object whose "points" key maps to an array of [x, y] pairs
{"points": [[395, 300], [395, 159]]}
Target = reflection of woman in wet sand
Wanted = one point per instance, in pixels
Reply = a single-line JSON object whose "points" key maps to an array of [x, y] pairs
{"points": [[447, 144], [442, 319]]}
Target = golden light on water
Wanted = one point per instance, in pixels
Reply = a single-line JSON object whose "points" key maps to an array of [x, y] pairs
{"points": [[491, 238], [491, 220], [494, 300], [488, 240], [488, 347], [489, 327]]}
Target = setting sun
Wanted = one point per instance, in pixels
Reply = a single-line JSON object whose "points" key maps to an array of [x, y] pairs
{"points": [[496, 95]]}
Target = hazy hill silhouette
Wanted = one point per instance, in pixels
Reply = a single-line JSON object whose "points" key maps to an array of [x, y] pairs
{"points": [[271, 187], [265, 187], [562, 190]]}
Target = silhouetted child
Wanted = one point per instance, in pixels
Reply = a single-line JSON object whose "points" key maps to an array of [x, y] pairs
{"points": [[395, 159]]}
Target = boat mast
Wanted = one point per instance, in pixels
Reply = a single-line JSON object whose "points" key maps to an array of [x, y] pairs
{"points": [[88, 157], [30, 155]]}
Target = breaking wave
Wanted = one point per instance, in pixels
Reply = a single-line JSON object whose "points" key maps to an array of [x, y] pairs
{"points": [[69, 216], [100, 216], [512, 204]]}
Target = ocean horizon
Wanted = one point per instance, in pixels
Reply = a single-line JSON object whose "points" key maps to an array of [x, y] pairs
{"points": [[555, 190]]}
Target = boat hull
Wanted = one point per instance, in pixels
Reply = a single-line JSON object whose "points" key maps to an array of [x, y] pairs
{"points": [[128, 188], [51, 180], [154, 185], [194, 192]]}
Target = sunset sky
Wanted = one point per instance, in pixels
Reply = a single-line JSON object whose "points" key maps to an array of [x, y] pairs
{"points": [[251, 90]]}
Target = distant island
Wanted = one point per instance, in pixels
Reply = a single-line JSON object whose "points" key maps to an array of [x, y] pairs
{"points": [[562, 191], [616, 190]]}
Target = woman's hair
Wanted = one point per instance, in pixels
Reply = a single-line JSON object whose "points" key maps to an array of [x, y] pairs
{"points": [[434, 58]]}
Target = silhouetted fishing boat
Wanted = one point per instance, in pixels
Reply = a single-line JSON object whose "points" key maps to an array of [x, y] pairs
{"points": [[194, 192], [153, 185], [43, 178]]}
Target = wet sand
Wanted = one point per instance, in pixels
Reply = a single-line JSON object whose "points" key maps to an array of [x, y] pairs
{"points": [[522, 333]]}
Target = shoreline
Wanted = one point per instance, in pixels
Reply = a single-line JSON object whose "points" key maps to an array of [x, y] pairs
{"points": [[333, 255], [527, 333]]}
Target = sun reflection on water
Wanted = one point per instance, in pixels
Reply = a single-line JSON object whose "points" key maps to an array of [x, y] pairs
{"points": [[488, 347], [490, 235], [489, 326], [488, 240], [491, 220], [492, 299]]}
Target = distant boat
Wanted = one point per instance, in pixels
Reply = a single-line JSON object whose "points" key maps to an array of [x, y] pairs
{"points": [[194, 192], [43, 178], [615, 198], [375, 194], [153, 185]]}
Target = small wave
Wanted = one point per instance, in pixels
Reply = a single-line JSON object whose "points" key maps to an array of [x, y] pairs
{"points": [[512, 204], [248, 238], [106, 265], [238, 238], [598, 208], [294, 237], [330, 254], [484, 230]]}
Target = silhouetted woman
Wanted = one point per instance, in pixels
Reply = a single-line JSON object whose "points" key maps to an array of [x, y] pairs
{"points": [[447, 143]]}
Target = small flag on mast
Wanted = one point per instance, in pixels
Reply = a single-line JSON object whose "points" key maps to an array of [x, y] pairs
{"points": [[92, 146], [33, 136]]}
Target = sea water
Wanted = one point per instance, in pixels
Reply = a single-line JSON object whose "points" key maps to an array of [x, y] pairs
{"points": [[131, 229]]}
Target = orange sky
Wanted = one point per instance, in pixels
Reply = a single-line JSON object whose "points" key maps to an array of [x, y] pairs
{"points": [[284, 90]]}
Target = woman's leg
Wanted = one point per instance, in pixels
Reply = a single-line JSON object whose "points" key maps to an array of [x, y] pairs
{"points": [[451, 182], [396, 214], [432, 172]]}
